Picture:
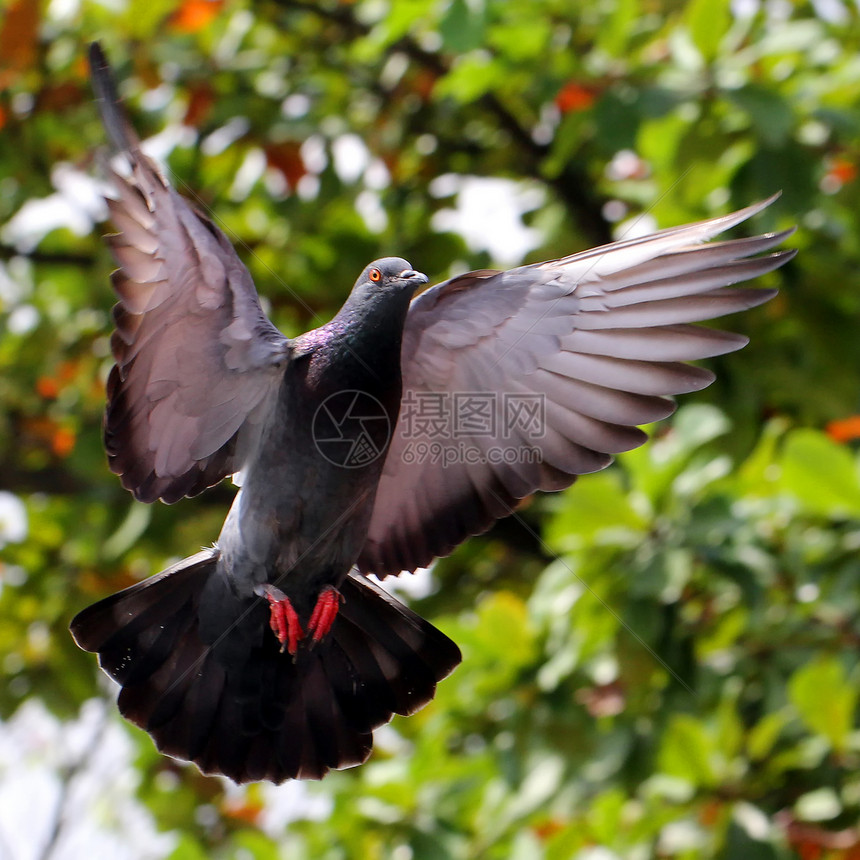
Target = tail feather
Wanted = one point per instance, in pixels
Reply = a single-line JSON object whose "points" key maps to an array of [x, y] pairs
{"points": [[324, 712], [131, 631], [323, 732], [175, 682], [369, 709], [203, 674], [258, 759], [410, 653], [192, 727], [226, 748], [127, 609], [156, 641], [365, 675]]}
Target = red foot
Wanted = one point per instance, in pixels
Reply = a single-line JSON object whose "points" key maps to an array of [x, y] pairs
{"points": [[324, 614], [284, 621]]}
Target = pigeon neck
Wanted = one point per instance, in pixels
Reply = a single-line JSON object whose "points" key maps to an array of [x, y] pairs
{"points": [[372, 324]]}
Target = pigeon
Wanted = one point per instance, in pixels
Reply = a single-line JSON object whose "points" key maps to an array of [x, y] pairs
{"points": [[371, 445]]}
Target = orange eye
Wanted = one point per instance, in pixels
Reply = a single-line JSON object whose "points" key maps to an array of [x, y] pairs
{"points": [[375, 275]]}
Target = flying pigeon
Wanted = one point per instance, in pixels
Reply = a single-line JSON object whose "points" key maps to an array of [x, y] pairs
{"points": [[373, 444]]}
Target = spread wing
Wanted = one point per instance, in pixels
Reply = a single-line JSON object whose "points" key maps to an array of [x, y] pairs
{"points": [[196, 357], [519, 381]]}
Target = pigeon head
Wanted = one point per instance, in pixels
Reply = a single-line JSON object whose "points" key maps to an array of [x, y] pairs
{"points": [[390, 274], [380, 296]]}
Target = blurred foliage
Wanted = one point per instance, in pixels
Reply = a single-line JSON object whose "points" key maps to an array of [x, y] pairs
{"points": [[660, 662]]}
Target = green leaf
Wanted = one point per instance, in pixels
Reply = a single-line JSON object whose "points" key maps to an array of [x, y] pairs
{"points": [[400, 17], [521, 39], [758, 473], [655, 467], [616, 119], [614, 35], [129, 532], [687, 751], [471, 77], [144, 17], [730, 730], [607, 814], [595, 510], [762, 737], [769, 113], [498, 641], [463, 28], [255, 844], [725, 632], [660, 138], [708, 21], [188, 848], [692, 427], [820, 474], [791, 168], [825, 699]]}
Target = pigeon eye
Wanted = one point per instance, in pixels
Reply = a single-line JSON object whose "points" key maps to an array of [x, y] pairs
{"points": [[375, 275]]}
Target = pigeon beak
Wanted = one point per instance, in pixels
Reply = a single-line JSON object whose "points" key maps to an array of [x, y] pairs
{"points": [[413, 277]]}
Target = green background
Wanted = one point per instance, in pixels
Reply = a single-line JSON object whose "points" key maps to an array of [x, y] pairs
{"points": [[661, 661]]}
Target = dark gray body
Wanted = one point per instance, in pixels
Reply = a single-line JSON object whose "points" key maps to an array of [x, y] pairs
{"points": [[299, 521]]}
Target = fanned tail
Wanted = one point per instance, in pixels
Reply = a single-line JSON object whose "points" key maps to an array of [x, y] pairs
{"points": [[201, 671]]}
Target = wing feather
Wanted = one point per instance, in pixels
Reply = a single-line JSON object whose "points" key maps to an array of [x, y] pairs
{"points": [[595, 342], [196, 357]]}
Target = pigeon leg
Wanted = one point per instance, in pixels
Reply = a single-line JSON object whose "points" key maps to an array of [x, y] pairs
{"points": [[284, 621], [324, 614]]}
